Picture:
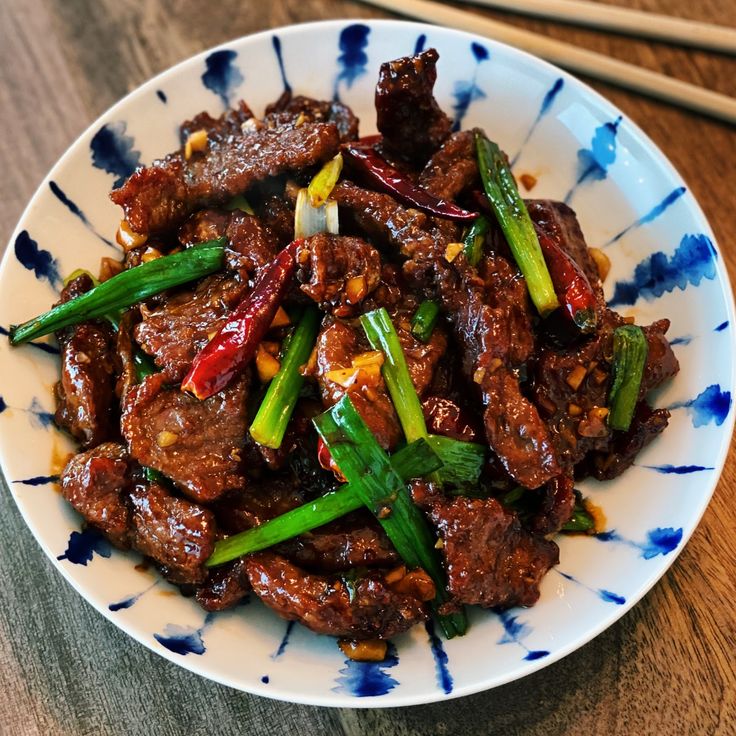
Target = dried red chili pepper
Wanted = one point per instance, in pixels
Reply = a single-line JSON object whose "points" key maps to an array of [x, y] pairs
{"points": [[571, 285], [325, 460], [227, 353], [385, 177]]}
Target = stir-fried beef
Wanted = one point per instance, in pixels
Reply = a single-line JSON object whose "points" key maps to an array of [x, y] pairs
{"points": [[291, 108], [195, 443], [177, 534], [453, 169], [158, 197], [365, 608], [176, 331], [337, 345], [225, 587], [85, 395], [490, 560], [444, 416], [407, 114], [204, 225], [277, 214], [556, 506], [252, 245], [228, 125], [337, 272], [96, 484]]}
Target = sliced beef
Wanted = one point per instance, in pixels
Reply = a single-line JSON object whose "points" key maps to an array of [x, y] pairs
{"points": [[204, 225], [337, 345], [85, 395], [356, 540], [453, 169], [252, 246], [228, 125], [337, 272], [490, 559], [159, 197], [277, 214], [556, 506], [364, 608], [125, 353], [176, 331], [646, 425], [225, 587], [177, 534], [407, 115], [291, 108], [96, 483], [444, 416], [196, 443]]}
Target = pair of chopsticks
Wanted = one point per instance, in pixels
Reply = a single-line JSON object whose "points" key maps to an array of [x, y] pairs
{"points": [[588, 62]]}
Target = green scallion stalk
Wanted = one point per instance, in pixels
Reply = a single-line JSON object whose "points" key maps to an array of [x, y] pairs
{"points": [[324, 181], [462, 462], [630, 350], [424, 320], [513, 217], [310, 220], [125, 289], [580, 521], [278, 404], [368, 469], [239, 202], [143, 365], [474, 240], [412, 461]]}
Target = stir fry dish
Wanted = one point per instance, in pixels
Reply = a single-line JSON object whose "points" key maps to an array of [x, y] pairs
{"points": [[355, 377]]}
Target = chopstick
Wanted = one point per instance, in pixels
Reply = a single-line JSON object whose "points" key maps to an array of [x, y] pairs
{"points": [[625, 20], [580, 60]]}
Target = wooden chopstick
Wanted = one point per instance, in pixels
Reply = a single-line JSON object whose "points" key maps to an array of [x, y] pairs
{"points": [[580, 60], [625, 20]]}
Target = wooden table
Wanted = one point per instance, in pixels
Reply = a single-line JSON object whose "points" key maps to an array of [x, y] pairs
{"points": [[667, 667]]}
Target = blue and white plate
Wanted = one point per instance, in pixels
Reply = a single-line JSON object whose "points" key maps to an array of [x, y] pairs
{"points": [[580, 148]]}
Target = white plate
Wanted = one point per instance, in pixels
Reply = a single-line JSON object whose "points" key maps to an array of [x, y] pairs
{"points": [[629, 200]]}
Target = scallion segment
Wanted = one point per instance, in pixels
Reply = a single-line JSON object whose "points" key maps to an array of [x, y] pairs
{"points": [[412, 461], [513, 217], [424, 320], [367, 467], [324, 181], [462, 462], [630, 350], [125, 289], [273, 415], [239, 202], [310, 220], [473, 241]]}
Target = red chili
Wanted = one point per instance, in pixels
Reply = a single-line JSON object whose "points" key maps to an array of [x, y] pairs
{"points": [[571, 284], [385, 177], [326, 461], [227, 353]]}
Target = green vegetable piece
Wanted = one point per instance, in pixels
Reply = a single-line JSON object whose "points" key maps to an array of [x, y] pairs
{"points": [[473, 241], [412, 461], [512, 216], [367, 467], [144, 365], [125, 289], [424, 320], [580, 521], [278, 404], [324, 181], [239, 202], [630, 350], [462, 462]]}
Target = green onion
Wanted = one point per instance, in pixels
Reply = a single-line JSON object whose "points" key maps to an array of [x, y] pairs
{"points": [[239, 202], [154, 476], [310, 220], [80, 272], [125, 289], [278, 404], [462, 462], [630, 350], [512, 216], [323, 183], [412, 461], [367, 467], [424, 320], [144, 365], [580, 521], [474, 240], [382, 336]]}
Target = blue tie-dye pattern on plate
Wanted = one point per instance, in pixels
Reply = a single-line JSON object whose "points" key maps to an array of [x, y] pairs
{"points": [[113, 151], [368, 679], [222, 76]]}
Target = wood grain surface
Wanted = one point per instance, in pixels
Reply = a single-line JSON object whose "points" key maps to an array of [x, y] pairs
{"points": [[667, 667]]}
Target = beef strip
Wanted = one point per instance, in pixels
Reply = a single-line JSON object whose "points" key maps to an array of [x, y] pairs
{"points": [[489, 311], [195, 443], [225, 586], [204, 225], [337, 272], [407, 115], [366, 608], [453, 169], [490, 559], [556, 505], [277, 214], [288, 107], [252, 246], [444, 416], [96, 483], [177, 534], [159, 197], [85, 395], [229, 125], [176, 331]]}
